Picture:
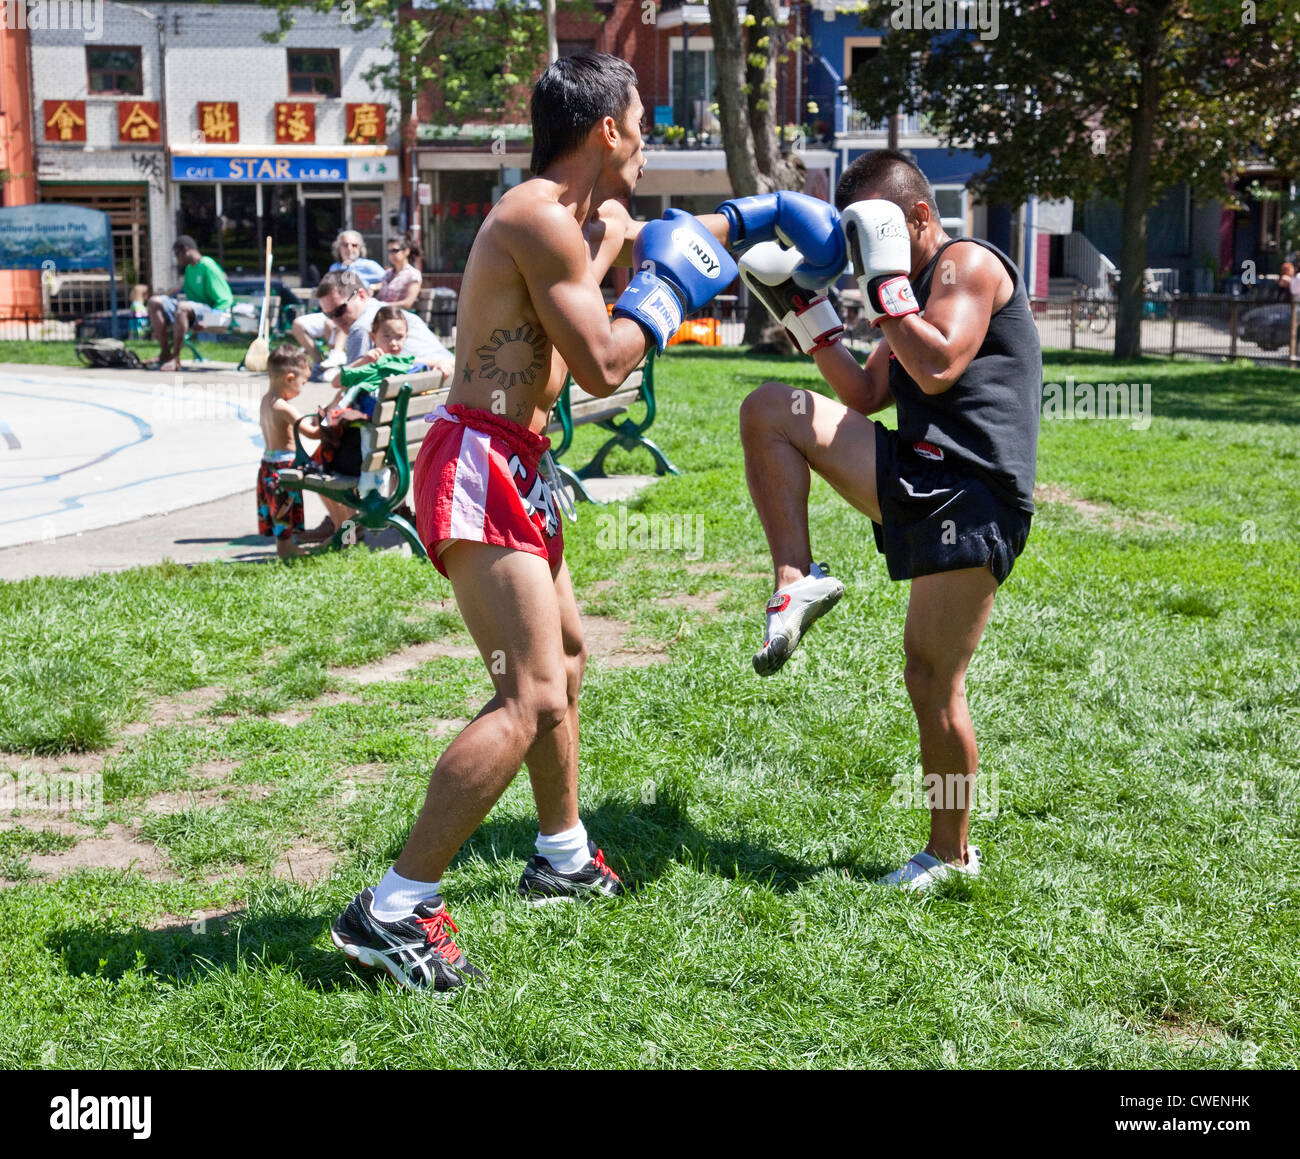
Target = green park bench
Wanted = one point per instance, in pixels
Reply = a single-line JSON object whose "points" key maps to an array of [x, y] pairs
{"points": [[390, 442]]}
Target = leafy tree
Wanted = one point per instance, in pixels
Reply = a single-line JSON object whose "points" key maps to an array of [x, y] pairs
{"points": [[1123, 99], [473, 55], [746, 55]]}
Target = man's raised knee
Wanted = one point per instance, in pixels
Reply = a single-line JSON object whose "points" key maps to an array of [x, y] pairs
{"points": [[769, 402]]}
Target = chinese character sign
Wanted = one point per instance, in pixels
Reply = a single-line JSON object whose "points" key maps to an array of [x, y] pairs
{"points": [[219, 121], [138, 123], [65, 120], [367, 124], [295, 123]]}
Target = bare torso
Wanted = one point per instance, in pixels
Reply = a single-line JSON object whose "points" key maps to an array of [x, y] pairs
{"points": [[277, 418], [505, 363]]}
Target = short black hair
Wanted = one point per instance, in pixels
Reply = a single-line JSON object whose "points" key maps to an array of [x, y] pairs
{"points": [[890, 175], [183, 244], [571, 96]]}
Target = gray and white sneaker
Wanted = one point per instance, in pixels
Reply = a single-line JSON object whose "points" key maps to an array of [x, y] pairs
{"points": [[543, 884], [791, 612], [417, 951]]}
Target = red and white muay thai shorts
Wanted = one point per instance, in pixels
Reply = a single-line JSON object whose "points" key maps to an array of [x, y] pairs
{"points": [[478, 477]]}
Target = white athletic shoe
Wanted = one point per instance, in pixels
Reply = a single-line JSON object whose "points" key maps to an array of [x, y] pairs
{"points": [[791, 612], [334, 358], [924, 870]]}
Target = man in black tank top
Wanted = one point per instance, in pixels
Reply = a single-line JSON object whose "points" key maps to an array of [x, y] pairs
{"points": [[950, 493]]}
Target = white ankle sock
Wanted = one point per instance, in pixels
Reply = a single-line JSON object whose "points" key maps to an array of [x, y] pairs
{"points": [[567, 852], [396, 896]]}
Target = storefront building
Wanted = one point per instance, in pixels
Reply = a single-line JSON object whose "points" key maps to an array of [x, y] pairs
{"points": [[181, 119]]}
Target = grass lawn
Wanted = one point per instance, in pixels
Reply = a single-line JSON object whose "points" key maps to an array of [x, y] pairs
{"points": [[62, 353], [1135, 698]]}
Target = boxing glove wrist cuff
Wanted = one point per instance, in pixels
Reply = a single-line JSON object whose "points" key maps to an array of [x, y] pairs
{"points": [[736, 239], [815, 327], [654, 303], [889, 296]]}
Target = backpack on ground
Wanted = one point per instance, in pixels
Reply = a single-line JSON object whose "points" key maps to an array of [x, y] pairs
{"points": [[109, 353]]}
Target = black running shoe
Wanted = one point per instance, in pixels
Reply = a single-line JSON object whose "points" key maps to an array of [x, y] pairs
{"points": [[417, 951], [542, 884]]}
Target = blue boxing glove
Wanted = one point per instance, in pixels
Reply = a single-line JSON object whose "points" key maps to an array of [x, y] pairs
{"points": [[805, 223], [680, 267]]}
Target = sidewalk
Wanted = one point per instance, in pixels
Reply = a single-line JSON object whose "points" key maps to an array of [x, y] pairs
{"points": [[220, 531], [89, 449]]}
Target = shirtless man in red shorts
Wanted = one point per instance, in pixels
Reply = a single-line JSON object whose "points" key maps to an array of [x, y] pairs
{"points": [[531, 305]]}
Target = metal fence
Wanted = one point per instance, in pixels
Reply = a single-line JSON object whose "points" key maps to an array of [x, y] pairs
{"points": [[1201, 325]]}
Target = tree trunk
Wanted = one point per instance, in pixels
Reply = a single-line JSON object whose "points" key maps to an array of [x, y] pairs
{"points": [[733, 110], [775, 172], [1137, 189]]}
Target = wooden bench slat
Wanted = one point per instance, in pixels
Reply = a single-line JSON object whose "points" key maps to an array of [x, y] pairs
{"points": [[422, 383], [420, 404]]}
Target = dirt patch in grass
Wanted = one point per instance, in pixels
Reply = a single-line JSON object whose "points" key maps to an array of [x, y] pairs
{"points": [[1183, 1033], [370, 774], [305, 864], [1103, 514], [184, 708], [204, 921], [709, 602], [114, 847], [180, 802], [399, 663], [605, 635], [450, 727], [218, 770]]}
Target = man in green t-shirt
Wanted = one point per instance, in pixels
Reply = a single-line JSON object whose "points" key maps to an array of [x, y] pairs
{"points": [[206, 304]]}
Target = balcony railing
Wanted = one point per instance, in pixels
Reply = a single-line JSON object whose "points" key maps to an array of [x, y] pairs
{"points": [[855, 123]]}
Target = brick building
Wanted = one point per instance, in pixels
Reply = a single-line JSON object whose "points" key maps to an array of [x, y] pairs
{"points": [[464, 168]]}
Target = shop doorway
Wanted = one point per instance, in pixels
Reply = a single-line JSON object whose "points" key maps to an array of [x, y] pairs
{"points": [[322, 219]]}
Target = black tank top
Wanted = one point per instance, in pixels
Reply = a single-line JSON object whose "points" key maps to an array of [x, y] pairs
{"points": [[988, 419]]}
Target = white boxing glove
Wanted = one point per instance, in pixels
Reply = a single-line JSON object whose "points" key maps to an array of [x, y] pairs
{"points": [[881, 250], [796, 301]]}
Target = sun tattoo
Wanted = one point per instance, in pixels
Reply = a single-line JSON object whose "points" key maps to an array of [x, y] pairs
{"points": [[512, 358]]}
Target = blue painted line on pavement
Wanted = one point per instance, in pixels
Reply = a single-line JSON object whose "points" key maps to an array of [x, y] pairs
{"points": [[146, 433], [73, 502]]}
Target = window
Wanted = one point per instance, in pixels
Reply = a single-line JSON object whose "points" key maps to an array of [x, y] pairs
{"points": [[314, 72], [951, 200], [573, 47], [859, 51], [114, 70], [861, 55], [701, 76], [127, 207]]}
